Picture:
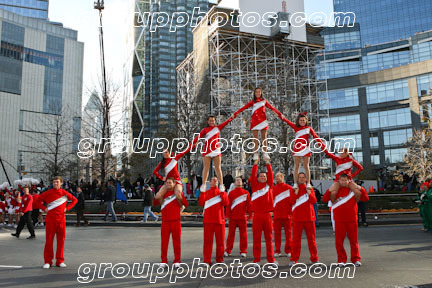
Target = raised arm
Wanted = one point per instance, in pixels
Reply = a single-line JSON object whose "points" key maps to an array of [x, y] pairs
{"points": [[270, 177], [253, 179], [191, 145]]}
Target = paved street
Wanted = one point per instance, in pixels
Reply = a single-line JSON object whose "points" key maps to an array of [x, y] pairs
{"points": [[392, 256]]}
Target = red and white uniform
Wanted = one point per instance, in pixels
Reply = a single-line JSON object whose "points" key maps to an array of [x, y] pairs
{"points": [[170, 167], [303, 217], [262, 206], [211, 136], [282, 216], [301, 142], [2, 207], [344, 165], [238, 206], [12, 204], [171, 225], [56, 203], [345, 213], [258, 118], [214, 202]]}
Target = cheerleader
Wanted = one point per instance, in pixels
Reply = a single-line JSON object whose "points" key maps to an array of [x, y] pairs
{"points": [[170, 167], [301, 150], [344, 164], [212, 149], [259, 120]]}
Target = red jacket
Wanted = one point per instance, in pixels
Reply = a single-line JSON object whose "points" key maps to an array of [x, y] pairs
{"points": [[213, 201], [36, 202], [26, 203], [239, 204], [303, 208], [345, 207], [170, 207], [344, 165], [262, 193], [56, 202], [281, 204]]}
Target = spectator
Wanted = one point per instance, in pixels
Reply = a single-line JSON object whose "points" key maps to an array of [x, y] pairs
{"points": [[140, 179], [362, 208], [80, 206], [147, 203], [110, 196], [127, 186], [315, 205]]}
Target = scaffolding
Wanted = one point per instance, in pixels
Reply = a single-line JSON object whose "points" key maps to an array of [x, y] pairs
{"points": [[288, 73]]}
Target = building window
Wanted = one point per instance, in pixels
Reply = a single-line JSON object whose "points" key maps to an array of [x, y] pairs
{"points": [[424, 85], [375, 159], [397, 137], [340, 141], [374, 142], [339, 99], [395, 155], [389, 118], [389, 91], [337, 124]]}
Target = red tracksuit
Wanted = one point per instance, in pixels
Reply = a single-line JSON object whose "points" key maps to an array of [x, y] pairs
{"points": [[171, 225], [56, 202], [303, 216], [282, 216], [238, 206], [345, 213], [214, 222], [262, 206]]}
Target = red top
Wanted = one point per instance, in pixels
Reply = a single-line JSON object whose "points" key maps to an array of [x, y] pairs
{"points": [[281, 204], [303, 205], [12, 202], [344, 165], [36, 202], [211, 136], [26, 203], [258, 118], [345, 207], [262, 193], [239, 204], [170, 207], [301, 142], [56, 202], [170, 166], [213, 201]]}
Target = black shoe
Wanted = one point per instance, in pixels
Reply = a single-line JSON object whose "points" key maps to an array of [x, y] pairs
{"points": [[15, 235], [31, 237]]}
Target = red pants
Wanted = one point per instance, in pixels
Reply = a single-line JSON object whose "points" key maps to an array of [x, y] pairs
{"points": [[233, 224], [342, 229], [173, 228], [218, 230], [262, 222], [286, 224], [54, 228], [309, 227]]}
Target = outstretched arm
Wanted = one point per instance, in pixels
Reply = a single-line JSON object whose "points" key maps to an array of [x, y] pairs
{"points": [[279, 114], [191, 145], [222, 125], [291, 124], [244, 108]]}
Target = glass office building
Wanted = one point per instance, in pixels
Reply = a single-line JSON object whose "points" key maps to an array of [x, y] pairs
{"points": [[379, 76], [29, 8]]}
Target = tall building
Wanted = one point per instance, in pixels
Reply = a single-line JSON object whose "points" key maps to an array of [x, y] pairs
{"points": [[41, 68], [154, 67], [379, 76], [29, 8]]}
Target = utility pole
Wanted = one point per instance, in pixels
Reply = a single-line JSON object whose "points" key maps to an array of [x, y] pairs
{"points": [[99, 5]]}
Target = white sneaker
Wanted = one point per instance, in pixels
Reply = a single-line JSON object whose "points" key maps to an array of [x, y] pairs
{"points": [[341, 264], [243, 255], [62, 265], [9, 225], [46, 266], [266, 156], [41, 224], [143, 221], [176, 265], [255, 156], [163, 265], [295, 186], [291, 263], [203, 188], [288, 255], [222, 188], [226, 254], [357, 264], [276, 255]]}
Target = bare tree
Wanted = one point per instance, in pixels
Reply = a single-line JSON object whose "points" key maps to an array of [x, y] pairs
{"points": [[419, 158]]}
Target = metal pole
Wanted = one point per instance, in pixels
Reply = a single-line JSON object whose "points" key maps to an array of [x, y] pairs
{"points": [[4, 170]]}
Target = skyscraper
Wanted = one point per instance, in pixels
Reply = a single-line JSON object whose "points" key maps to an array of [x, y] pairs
{"points": [[379, 73], [28, 8]]}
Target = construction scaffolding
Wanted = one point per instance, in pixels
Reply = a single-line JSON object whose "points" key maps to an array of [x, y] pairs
{"points": [[286, 70]]}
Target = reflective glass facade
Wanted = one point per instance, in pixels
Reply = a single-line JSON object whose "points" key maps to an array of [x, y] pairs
{"points": [[390, 118], [388, 20], [28, 8], [388, 91], [340, 99]]}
